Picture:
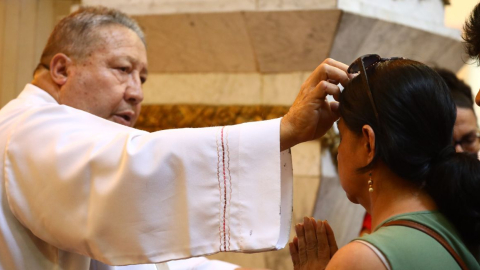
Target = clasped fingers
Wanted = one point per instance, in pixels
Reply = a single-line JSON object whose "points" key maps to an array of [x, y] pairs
{"points": [[310, 238], [314, 245], [329, 70]]}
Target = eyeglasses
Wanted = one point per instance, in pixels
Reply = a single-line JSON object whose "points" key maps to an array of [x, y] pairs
{"points": [[362, 64], [469, 143]]}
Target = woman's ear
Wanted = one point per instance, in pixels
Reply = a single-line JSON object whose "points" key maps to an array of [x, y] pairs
{"points": [[58, 68], [369, 141]]}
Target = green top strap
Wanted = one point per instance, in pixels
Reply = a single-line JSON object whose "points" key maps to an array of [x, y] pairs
{"points": [[408, 248]]}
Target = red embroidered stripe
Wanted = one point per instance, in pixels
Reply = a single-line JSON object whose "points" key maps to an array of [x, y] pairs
{"points": [[220, 190], [224, 187], [225, 193], [229, 186]]}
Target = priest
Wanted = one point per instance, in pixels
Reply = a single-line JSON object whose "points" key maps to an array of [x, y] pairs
{"points": [[80, 184]]}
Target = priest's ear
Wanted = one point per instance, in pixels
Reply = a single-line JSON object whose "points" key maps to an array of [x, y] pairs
{"points": [[59, 66]]}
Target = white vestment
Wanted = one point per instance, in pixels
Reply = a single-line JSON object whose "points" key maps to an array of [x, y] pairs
{"points": [[76, 186]]}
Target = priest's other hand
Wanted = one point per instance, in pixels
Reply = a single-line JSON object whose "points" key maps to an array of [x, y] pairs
{"points": [[314, 245], [311, 115]]}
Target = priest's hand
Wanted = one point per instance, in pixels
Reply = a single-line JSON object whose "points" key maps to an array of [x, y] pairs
{"points": [[311, 115], [314, 245]]}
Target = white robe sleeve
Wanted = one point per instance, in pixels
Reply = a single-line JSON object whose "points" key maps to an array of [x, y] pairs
{"points": [[124, 196]]}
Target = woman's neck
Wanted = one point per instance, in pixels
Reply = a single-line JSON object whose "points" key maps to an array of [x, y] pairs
{"points": [[393, 195]]}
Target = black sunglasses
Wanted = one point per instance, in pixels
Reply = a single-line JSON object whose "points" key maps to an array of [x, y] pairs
{"points": [[362, 64]]}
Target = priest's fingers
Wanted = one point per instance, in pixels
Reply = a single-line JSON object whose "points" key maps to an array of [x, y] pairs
{"points": [[325, 88], [302, 253], [337, 64], [342, 67], [329, 69], [294, 255], [310, 115], [333, 81], [331, 239], [310, 239], [334, 108], [323, 247], [336, 71]]}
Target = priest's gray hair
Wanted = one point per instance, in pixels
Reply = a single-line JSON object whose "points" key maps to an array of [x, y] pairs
{"points": [[76, 35]]}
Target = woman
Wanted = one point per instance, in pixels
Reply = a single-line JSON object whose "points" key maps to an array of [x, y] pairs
{"points": [[396, 159]]}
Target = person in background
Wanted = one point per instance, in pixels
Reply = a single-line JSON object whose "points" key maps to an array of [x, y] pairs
{"points": [[465, 131]]}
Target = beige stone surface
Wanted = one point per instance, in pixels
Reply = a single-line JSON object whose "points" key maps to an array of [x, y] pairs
{"points": [[304, 197], [209, 88], [359, 35], [144, 7], [282, 88], [427, 15], [265, 42], [295, 4], [283, 42], [138, 7], [223, 88], [292, 40], [306, 159], [213, 42]]}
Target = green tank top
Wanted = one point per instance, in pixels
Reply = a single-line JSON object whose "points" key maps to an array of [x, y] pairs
{"points": [[409, 249]]}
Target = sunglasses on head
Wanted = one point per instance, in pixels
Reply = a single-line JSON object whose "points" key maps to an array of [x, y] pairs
{"points": [[362, 64]]}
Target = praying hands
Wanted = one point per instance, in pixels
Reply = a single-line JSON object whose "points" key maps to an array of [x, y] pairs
{"points": [[314, 245]]}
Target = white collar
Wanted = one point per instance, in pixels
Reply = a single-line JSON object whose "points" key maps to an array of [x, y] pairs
{"points": [[36, 93]]}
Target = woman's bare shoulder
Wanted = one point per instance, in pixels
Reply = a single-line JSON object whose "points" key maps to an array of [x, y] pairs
{"points": [[355, 256]]}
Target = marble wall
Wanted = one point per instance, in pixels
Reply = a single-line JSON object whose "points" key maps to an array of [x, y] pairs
{"points": [[239, 42], [201, 6], [422, 14], [426, 15], [224, 88], [358, 35]]}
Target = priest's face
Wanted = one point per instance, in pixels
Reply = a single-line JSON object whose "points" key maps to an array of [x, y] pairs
{"points": [[107, 82]]}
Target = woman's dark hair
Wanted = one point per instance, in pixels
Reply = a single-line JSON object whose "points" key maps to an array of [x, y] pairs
{"points": [[460, 91], [413, 137]]}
